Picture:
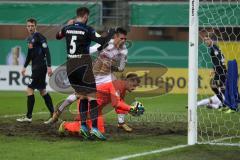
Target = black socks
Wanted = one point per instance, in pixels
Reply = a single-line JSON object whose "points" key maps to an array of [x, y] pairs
{"points": [[30, 104], [48, 102], [94, 112], [83, 108]]}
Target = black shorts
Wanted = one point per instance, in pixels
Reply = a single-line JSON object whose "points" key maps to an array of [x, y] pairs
{"points": [[80, 74], [38, 79]]}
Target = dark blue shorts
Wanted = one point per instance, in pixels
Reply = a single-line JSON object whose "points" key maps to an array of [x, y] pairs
{"points": [[38, 79]]}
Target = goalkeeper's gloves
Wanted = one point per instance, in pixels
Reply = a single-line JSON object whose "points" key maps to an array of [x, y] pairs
{"points": [[137, 109]]}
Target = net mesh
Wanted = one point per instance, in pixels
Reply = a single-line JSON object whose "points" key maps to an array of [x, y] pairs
{"points": [[219, 21]]}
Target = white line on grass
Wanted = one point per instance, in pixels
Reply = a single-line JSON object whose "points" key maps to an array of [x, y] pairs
{"points": [[150, 152], [224, 144], [19, 115], [223, 139], [219, 141]]}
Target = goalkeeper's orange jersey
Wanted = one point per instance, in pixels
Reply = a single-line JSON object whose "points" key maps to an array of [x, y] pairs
{"points": [[114, 93]]}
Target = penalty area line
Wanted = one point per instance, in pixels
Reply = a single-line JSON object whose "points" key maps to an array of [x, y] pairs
{"points": [[150, 152]]}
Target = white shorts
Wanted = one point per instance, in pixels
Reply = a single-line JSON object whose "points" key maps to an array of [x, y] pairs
{"points": [[100, 79], [215, 100]]}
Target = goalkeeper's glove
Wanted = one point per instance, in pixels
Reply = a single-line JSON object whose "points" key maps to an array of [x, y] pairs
{"points": [[137, 109]]}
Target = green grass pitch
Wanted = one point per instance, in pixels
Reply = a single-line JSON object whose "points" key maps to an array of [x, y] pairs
{"points": [[163, 125]]}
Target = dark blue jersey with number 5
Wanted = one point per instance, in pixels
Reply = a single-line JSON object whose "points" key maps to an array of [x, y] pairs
{"points": [[78, 38]]}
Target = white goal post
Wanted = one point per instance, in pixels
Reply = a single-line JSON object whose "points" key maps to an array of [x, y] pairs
{"points": [[193, 71]]}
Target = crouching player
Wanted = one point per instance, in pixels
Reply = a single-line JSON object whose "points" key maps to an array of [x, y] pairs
{"points": [[212, 102], [114, 93]]}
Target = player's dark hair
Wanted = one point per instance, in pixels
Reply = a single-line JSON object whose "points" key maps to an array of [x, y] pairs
{"points": [[121, 30], [32, 20], [133, 77], [82, 11]]}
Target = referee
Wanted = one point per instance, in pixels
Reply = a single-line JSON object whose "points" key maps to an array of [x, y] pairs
{"points": [[79, 67], [219, 69], [38, 54]]}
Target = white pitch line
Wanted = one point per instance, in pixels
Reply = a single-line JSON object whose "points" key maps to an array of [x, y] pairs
{"points": [[223, 139], [224, 144], [219, 142], [18, 115], [150, 152]]}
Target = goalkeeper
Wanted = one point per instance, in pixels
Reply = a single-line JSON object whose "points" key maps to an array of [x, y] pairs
{"points": [[116, 92]]}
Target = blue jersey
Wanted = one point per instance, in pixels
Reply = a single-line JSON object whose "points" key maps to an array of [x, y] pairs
{"points": [[38, 52]]}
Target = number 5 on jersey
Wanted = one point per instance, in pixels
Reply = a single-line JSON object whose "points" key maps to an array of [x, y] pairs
{"points": [[73, 45]]}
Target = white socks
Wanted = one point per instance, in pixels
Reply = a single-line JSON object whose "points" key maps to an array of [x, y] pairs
{"points": [[69, 100], [121, 118]]}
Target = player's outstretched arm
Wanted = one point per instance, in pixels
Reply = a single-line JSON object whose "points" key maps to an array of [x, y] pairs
{"points": [[94, 48], [136, 109], [60, 34], [103, 41]]}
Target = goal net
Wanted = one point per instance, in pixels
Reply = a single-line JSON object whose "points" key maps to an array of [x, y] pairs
{"points": [[218, 25]]}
